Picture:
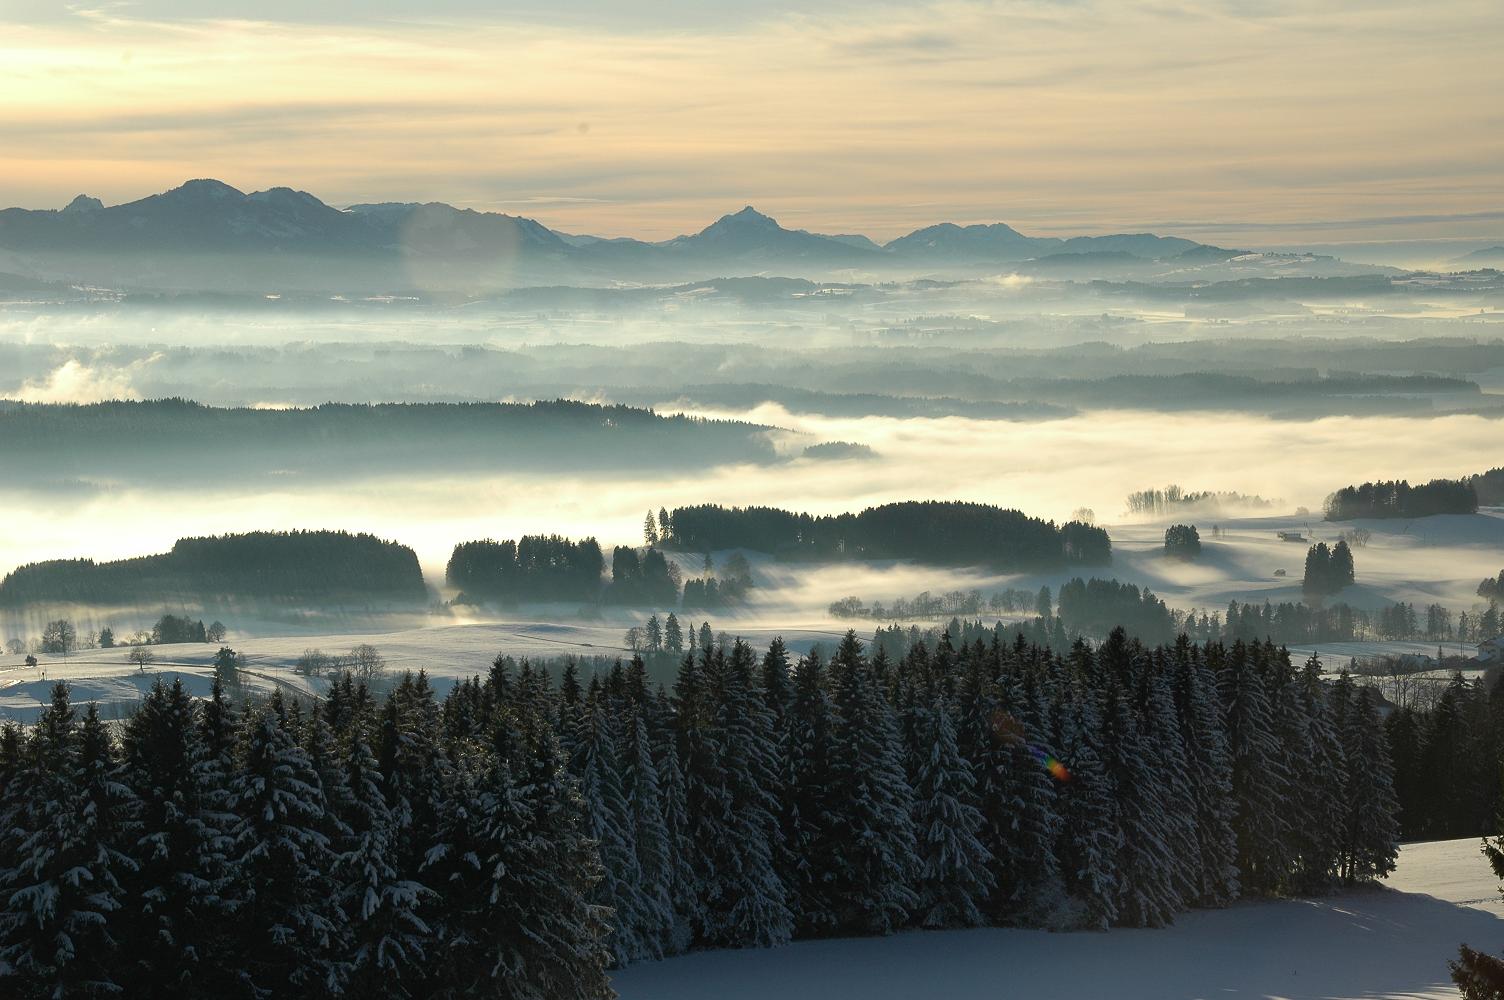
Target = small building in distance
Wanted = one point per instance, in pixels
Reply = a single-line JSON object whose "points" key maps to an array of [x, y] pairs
{"points": [[1292, 536]]}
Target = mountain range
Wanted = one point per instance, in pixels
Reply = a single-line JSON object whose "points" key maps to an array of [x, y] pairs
{"points": [[208, 235], [1487, 257]]}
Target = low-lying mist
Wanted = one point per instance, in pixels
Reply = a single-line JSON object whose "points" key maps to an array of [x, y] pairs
{"points": [[1049, 469]]}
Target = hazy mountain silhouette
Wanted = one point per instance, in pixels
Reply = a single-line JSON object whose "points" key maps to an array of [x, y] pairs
{"points": [[208, 235], [1487, 257], [1000, 242]]}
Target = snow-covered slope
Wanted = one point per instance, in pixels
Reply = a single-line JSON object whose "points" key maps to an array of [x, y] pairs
{"points": [[1387, 942]]}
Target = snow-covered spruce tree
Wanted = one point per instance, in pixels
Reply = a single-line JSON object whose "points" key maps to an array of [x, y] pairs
{"points": [[807, 806], [1320, 782], [1259, 781], [1479, 975], [178, 909], [777, 685], [479, 824], [1147, 891], [1161, 730], [288, 924], [683, 899], [979, 737], [872, 823], [387, 941], [328, 764], [707, 799], [561, 938], [1208, 776], [953, 874], [414, 771], [609, 823], [1032, 891], [650, 835], [1371, 832], [745, 902], [62, 888], [1090, 840]]}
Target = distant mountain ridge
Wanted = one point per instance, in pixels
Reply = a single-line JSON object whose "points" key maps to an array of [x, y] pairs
{"points": [[1487, 257], [207, 234]]}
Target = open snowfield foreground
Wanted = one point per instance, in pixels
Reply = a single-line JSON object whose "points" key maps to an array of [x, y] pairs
{"points": [[448, 653], [1390, 942]]}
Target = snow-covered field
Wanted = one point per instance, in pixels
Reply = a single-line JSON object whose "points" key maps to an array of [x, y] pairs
{"points": [[1391, 942], [448, 653], [1436, 559]]}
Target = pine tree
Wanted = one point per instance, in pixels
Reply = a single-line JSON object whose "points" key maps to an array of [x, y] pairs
{"points": [[1371, 833], [61, 888], [953, 870], [1090, 839], [682, 889], [179, 903], [1031, 887], [871, 825], [1321, 784], [1209, 776], [415, 773], [561, 937], [745, 902], [388, 941], [609, 823], [1165, 742], [1147, 891], [288, 923], [650, 835], [673, 635], [809, 801], [1259, 781]]}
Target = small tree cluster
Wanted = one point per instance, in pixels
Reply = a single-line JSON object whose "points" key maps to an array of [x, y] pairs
{"points": [[1182, 541], [1328, 570]]}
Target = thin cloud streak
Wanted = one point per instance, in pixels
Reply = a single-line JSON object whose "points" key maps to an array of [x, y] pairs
{"points": [[1059, 118]]}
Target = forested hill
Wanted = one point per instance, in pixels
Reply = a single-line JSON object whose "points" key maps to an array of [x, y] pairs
{"points": [[327, 567], [175, 437], [1399, 499], [941, 533]]}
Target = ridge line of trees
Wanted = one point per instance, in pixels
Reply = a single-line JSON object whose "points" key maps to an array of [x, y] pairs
{"points": [[946, 533], [519, 837]]}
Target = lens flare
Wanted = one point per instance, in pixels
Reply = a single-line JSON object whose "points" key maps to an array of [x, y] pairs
{"points": [[1012, 730]]}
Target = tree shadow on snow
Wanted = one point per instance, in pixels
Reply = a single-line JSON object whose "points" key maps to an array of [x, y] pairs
{"points": [[1364, 944]]}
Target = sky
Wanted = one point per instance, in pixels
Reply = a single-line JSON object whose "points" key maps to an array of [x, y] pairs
{"points": [[1240, 122]]}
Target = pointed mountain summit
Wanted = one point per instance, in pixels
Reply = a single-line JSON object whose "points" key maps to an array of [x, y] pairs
{"points": [[751, 235], [83, 203]]}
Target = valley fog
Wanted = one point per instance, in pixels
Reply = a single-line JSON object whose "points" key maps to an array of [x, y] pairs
{"points": [[1047, 469]]}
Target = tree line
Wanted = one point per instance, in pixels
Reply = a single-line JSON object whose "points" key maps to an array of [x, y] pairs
{"points": [[1173, 499], [60, 637], [1009, 600], [940, 533], [554, 568], [179, 439], [1397, 498], [327, 566], [1447, 760], [518, 837]]}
